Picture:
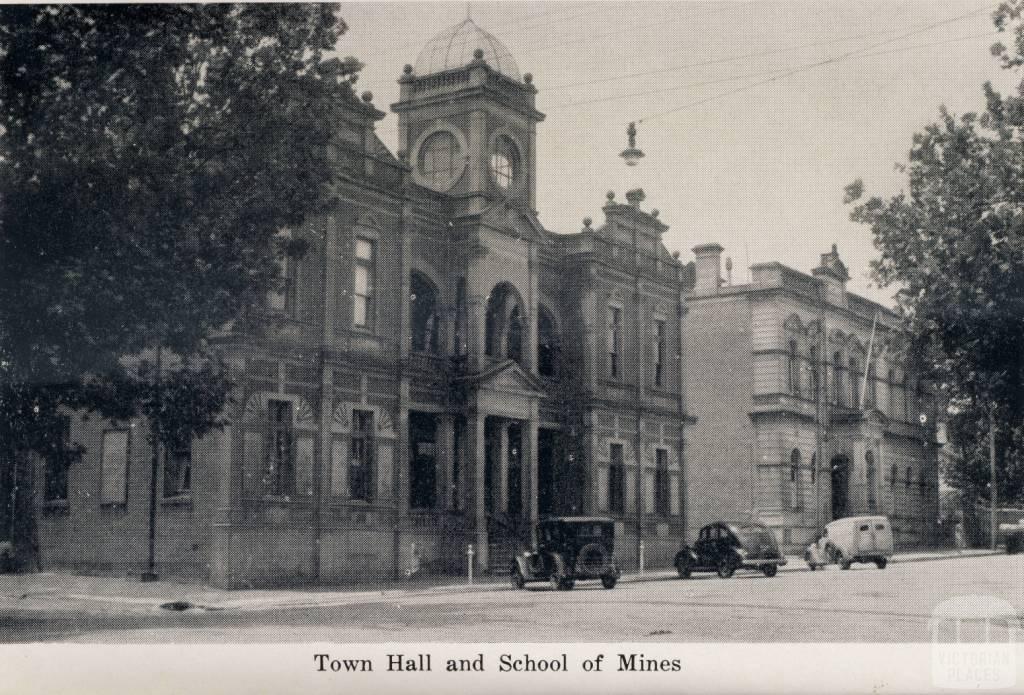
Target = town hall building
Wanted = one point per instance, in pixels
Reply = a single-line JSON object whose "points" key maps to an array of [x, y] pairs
{"points": [[440, 371]]}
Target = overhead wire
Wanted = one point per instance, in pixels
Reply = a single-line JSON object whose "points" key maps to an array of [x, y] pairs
{"points": [[762, 73], [810, 66]]}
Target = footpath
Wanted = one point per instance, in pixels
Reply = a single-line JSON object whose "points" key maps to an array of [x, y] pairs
{"points": [[58, 592]]}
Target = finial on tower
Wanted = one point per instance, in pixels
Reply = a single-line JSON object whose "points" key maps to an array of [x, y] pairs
{"points": [[631, 154]]}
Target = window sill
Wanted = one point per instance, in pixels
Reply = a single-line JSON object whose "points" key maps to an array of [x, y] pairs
{"points": [[182, 500]]}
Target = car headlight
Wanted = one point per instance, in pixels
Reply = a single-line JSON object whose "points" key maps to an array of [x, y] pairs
{"points": [[741, 552]]}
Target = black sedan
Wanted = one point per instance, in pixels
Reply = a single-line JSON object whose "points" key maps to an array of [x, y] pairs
{"points": [[726, 546]]}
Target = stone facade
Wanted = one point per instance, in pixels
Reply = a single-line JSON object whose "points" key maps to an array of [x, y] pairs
{"points": [[788, 429], [440, 371]]}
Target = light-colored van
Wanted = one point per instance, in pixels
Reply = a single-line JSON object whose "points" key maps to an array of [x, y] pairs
{"points": [[853, 539]]}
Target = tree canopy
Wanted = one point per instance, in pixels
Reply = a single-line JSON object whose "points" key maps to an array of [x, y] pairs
{"points": [[149, 154], [953, 243]]}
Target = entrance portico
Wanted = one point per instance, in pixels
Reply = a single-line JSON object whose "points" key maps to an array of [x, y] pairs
{"points": [[502, 427]]}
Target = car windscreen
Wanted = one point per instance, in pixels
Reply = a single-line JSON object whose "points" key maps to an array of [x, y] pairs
{"points": [[754, 537]]}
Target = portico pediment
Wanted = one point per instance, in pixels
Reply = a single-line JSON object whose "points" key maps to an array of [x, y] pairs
{"points": [[506, 376]]}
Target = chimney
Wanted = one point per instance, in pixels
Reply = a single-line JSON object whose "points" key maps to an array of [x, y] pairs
{"points": [[709, 261]]}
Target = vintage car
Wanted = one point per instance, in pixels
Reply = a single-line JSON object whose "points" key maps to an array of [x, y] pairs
{"points": [[727, 546], [569, 548], [853, 539]]}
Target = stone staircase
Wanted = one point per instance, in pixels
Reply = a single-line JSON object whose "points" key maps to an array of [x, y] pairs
{"points": [[505, 537]]}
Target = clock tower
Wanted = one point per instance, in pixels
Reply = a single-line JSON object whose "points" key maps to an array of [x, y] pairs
{"points": [[467, 121]]}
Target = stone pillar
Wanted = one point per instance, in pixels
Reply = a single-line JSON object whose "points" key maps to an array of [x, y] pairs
{"points": [[531, 467], [476, 457], [501, 474]]}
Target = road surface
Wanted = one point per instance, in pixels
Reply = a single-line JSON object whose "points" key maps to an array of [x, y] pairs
{"points": [[861, 604]]}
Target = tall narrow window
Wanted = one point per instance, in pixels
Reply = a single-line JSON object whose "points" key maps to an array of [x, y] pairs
{"points": [[279, 471], [58, 458], [796, 497], [837, 379], [869, 460], [365, 282], [661, 493], [910, 474], [854, 386], [815, 373], [617, 480], [614, 342], [893, 475], [891, 391], [547, 343], [461, 318], [178, 470], [361, 460], [658, 355], [794, 369], [872, 394], [907, 399]]}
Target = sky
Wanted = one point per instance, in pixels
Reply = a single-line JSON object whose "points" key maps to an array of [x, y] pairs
{"points": [[753, 116]]}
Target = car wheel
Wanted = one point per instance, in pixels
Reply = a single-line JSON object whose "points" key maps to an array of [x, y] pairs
{"points": [[812, 566], [844, 564], [770, 570], [568, 584], [518, 581], [725, 568], [608, 581], [683, 568], [881, 562]]}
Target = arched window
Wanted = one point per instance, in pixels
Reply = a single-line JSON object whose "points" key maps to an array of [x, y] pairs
{"points": [[504, 162], [547, 342], [794, 479], [424, 314], [893, 474], [504, 327], [514, 341], [910, 474], [869, 459], [872, 394], [794, 369], [439, 158], [837, 379]]}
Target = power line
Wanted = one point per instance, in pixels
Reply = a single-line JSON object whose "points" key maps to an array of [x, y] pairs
{"points": [[716, 61], [764, 72], [810, 66]]}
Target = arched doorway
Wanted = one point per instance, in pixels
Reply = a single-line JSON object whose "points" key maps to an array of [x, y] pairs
{"points": [[840, 486]]}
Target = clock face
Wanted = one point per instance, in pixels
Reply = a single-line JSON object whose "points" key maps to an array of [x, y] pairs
{"points": [[440, 160], [505, 163]]}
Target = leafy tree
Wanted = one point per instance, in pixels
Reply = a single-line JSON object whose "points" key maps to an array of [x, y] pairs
{"points": [[953, 242], [148, 156]]}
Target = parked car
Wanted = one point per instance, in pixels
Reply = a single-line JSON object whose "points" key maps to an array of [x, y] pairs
{"points": [[853, 539], [727, 546], [569, 548]]}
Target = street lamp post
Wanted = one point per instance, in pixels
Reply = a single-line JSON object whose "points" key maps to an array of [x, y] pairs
{"points": [[994, 496], [154, 427]]}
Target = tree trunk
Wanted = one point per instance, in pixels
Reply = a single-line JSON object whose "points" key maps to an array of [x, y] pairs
{"points": [[23, 530]]}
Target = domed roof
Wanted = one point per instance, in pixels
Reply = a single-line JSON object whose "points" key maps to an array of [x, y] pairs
{"points": [[454, 48]]}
